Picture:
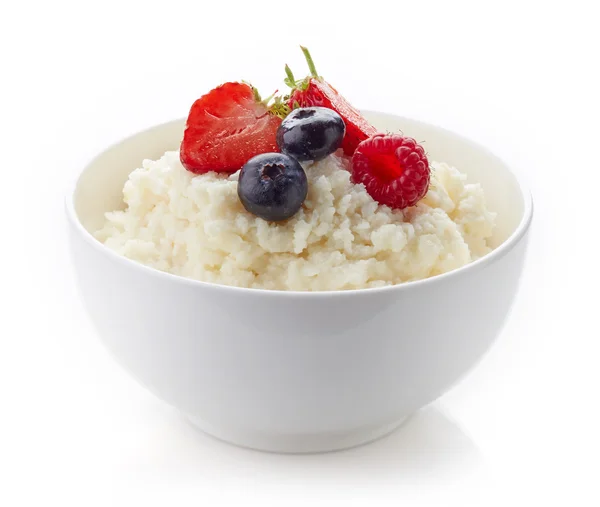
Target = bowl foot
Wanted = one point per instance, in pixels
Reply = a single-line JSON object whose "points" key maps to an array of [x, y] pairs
{"points": [[297, 443]]}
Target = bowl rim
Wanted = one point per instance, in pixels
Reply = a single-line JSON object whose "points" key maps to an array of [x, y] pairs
{"points": [[491, 257]]}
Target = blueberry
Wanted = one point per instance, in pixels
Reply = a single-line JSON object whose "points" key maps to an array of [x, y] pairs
{"points": [[311, 133], [272, 186]]}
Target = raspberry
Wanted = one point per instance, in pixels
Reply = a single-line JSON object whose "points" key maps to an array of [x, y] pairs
{"points": [[393, 168]]}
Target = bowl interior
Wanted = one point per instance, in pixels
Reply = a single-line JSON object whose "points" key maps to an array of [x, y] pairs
{"points": [[99, 188]]}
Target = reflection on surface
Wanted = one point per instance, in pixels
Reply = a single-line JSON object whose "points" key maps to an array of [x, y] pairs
{"points": [[429, 447]]}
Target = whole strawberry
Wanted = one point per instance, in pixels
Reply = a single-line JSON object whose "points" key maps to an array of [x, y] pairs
{"points": [[315, 91], [394, 169], [227, 127]]}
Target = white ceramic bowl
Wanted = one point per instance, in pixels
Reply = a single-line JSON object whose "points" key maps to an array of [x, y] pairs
{"points": [[293, 371]]}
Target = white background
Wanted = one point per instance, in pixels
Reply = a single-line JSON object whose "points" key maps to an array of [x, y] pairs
{"points": [[520, 77]]}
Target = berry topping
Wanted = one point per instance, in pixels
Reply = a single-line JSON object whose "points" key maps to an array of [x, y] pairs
{"points": [[226, 127], [311, 133], [272, 186], [315, 91], [393, 168]]}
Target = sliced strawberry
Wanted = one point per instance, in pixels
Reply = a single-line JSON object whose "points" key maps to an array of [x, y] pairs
{"points": [[227, 127], [321, 93], [315, 91]]}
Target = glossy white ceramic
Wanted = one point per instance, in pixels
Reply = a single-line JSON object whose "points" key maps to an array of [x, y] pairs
{"points": [[292, 371]]}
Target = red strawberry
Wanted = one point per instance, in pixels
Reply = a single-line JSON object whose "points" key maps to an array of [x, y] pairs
{"points": [[315, 91], [393, 168], [227, 127]]}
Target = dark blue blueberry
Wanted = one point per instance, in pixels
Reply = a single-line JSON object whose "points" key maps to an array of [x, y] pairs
{"points": [[311, 133], [272, 186]]}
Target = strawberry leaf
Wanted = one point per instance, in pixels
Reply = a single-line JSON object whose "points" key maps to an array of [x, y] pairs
{"points": [[289, 80]]}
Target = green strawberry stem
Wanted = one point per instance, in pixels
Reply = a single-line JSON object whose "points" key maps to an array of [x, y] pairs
{"points": [[301, 84], [289, 80], [255, 91], [268, 99], [279, 108], [309, 60]]}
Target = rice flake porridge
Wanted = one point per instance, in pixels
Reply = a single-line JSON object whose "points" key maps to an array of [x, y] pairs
{"points": [[341, 238]]}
